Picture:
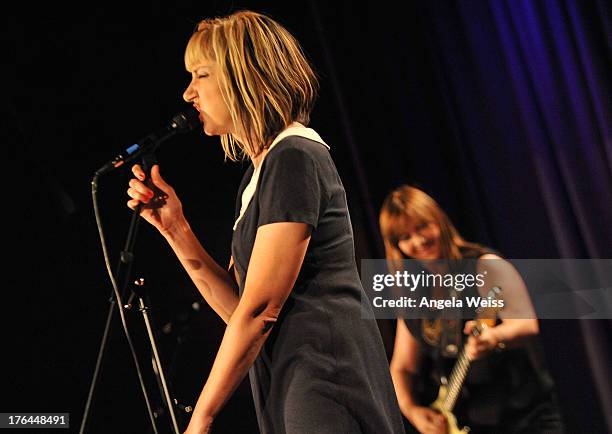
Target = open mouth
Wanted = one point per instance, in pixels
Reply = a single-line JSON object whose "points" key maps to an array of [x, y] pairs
{"points": [[195, 106]]}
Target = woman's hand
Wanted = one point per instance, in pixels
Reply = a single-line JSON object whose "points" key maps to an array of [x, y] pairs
{"points": [[162, 208], [427, 421], [478, 346]]}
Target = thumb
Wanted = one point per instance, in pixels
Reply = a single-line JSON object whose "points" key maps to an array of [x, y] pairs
{"points": [[157, 178]]}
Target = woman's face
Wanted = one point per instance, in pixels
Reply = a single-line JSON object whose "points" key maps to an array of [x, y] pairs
{"points": [[421, 240], [205, 95]]}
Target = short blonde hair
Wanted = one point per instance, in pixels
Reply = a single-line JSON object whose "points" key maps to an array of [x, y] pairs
{"points": [[264, 77]]}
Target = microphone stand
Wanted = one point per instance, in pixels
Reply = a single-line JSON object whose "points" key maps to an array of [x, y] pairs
{"points": [[140, 291], [125, 263]]}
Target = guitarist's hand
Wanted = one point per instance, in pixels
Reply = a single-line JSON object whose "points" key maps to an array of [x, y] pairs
{"points": [[478, 346], [427, 421]]}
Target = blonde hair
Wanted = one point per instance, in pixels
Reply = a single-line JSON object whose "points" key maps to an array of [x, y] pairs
{"points": [[410, 203], [264, 77]]}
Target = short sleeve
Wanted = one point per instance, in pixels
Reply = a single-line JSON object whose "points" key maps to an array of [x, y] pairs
{"points": [[290, 188]]}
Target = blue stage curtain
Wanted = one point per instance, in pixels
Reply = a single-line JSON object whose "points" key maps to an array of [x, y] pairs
{"points": [[527, 89], [502, 111]]}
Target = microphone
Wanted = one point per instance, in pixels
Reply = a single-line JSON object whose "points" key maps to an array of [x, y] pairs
{"points": [[182, 122]]}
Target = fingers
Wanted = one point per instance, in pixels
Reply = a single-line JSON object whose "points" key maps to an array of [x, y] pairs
{"points": [[139, 191], [138, 172], [152, 192], [469, 326], [438, 419], [157, 178], [475, 347], [436, 422]]}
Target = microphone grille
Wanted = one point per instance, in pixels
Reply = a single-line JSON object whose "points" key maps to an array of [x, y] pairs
{"points": [[186, 120]]}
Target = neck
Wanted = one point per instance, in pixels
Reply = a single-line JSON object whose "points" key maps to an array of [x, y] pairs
{"points": [[435, 266], [257, 159]]}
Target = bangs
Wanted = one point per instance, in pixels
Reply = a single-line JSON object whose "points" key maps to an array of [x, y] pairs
{"points": [[263, 75], [395, 223], [199, 49]]}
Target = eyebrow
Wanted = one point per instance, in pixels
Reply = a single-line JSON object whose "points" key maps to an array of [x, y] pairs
{"points": [[198, 66], [196, 69]]}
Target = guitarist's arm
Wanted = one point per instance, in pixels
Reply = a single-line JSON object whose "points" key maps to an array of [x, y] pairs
{"points": [[404, 365], [518, 319]]}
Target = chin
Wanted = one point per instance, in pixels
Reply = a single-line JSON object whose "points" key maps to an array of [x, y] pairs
{"points": [[211, 131], [214, 130], [429, 258], [431, 255]]}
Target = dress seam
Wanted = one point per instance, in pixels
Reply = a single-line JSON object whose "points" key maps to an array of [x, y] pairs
{"points": [[335, 370]]}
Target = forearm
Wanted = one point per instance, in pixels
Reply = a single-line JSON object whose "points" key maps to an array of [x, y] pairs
{"points": [[515, 332], [214, 283], [276, 260], [402, 382], [243, 339]]}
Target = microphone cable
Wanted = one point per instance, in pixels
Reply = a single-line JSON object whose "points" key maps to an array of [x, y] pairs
{"points": [[94, 194], [182, 122]]}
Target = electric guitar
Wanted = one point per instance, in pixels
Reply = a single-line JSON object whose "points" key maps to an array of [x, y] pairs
{"points": [[449, 389]]}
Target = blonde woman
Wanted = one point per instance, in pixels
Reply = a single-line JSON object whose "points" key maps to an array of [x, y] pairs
{"points": [[291, 298], [508, 389]]}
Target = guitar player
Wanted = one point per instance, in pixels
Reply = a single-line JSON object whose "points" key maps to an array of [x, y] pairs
{"points": [[507, 388]]}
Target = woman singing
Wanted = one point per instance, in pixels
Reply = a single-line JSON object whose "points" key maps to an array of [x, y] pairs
{"points": [[291, 298]]}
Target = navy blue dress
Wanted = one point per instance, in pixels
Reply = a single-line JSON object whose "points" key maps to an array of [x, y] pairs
{"points": [[323, 369]]}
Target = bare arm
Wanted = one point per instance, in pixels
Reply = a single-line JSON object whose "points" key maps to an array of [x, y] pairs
{"points": [[275, 263], [163, 209], [518, 318], [404, 365], [216, 285]]}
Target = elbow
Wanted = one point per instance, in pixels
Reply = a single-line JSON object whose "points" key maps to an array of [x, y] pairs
{"points": [[267, 317], [394, 366], [398, 377], [399, 369], [534, 327], [521, 329], [264, 315]]}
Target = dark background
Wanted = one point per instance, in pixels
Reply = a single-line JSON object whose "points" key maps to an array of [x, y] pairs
{"points": [[500, 110]]}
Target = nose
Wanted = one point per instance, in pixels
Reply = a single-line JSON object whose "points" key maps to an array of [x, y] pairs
{"points": [[189, 93], [418, 241]]}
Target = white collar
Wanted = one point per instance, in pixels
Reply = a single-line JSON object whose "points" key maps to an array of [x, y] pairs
{"points": [[295, 129]]}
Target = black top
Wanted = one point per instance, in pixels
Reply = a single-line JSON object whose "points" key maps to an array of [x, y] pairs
{"points": [[323, 369], [499, 387]]}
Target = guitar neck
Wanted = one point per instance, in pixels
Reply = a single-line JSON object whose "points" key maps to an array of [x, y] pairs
{"points": [[456, 380], [460, 370]]}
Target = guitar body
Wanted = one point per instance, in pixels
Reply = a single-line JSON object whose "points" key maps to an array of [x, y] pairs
{"points": [[451, 420]]}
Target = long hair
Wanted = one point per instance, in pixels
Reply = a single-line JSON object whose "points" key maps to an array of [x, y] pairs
{"points": [[410, 203], [264, 77]]}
